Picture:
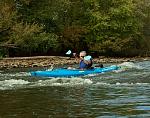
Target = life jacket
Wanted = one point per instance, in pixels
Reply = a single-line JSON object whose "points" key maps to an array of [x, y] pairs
{"points": [[83, 65]]}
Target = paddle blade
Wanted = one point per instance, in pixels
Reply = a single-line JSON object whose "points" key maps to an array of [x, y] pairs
{"points": [[68, 52], [87, 58]]}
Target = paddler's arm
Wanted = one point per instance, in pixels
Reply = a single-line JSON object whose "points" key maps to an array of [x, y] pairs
{"points": [[87, 62]]}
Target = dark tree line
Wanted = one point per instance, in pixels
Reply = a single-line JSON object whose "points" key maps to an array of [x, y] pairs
{"points": [[51, 27]]}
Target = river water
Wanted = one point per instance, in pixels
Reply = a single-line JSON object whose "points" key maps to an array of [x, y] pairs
{"points": [[124, 93]]}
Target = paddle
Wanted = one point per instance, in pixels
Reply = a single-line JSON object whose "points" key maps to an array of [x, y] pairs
{"points": [[68, 52], [86, 58]]}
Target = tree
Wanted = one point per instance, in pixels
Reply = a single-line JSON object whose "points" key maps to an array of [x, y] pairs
{"points": [[8, 17], [114, 21]]}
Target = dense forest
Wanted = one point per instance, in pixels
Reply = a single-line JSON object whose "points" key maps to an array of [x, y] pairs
{"points": [[51, 27]]}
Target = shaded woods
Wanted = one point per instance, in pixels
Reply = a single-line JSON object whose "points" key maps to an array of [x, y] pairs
{"points": [[51, 27]]}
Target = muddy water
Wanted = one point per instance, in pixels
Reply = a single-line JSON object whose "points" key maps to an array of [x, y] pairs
{"points": [[123, 94]]}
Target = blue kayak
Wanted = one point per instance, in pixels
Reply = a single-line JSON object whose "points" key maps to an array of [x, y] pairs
{"points": [[61, 72]]}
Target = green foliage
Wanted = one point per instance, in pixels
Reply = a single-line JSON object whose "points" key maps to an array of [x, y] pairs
{"points": [[72, 37], [30, 38], [22, 33], [112, 22], [111, 27], [7, 18]]}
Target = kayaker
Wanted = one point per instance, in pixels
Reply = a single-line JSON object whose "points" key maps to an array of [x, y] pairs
{"points": [[85, 61]]}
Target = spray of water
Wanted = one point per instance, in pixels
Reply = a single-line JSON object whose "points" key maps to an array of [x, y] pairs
{"points": [[16, 84], [128, 65]]}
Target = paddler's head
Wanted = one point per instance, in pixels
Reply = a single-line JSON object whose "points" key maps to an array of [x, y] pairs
{"points": [[82, 54]]}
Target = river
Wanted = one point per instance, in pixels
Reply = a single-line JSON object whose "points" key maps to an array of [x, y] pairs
{"points": [[124, 93]]}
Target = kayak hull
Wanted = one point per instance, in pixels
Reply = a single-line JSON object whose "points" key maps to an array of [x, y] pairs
{"points": [[61, 72]]}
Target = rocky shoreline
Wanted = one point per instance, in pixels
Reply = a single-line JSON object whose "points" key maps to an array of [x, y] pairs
{"points": [[47, 61]]}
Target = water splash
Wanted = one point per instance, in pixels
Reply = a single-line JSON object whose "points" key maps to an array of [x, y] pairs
{"points": [[118, 84], [12, 83], [17, 84], [63, 82], [20, 74], [128, 65]]}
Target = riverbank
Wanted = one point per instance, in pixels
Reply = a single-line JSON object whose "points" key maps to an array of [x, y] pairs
{"points": [[47, 61]]}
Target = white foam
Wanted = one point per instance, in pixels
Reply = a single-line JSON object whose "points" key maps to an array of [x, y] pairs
{"points": [[103, 83], [12, 83], [128, 65], [63, 82], [122, 84], [131, 84], [20, 74]]}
